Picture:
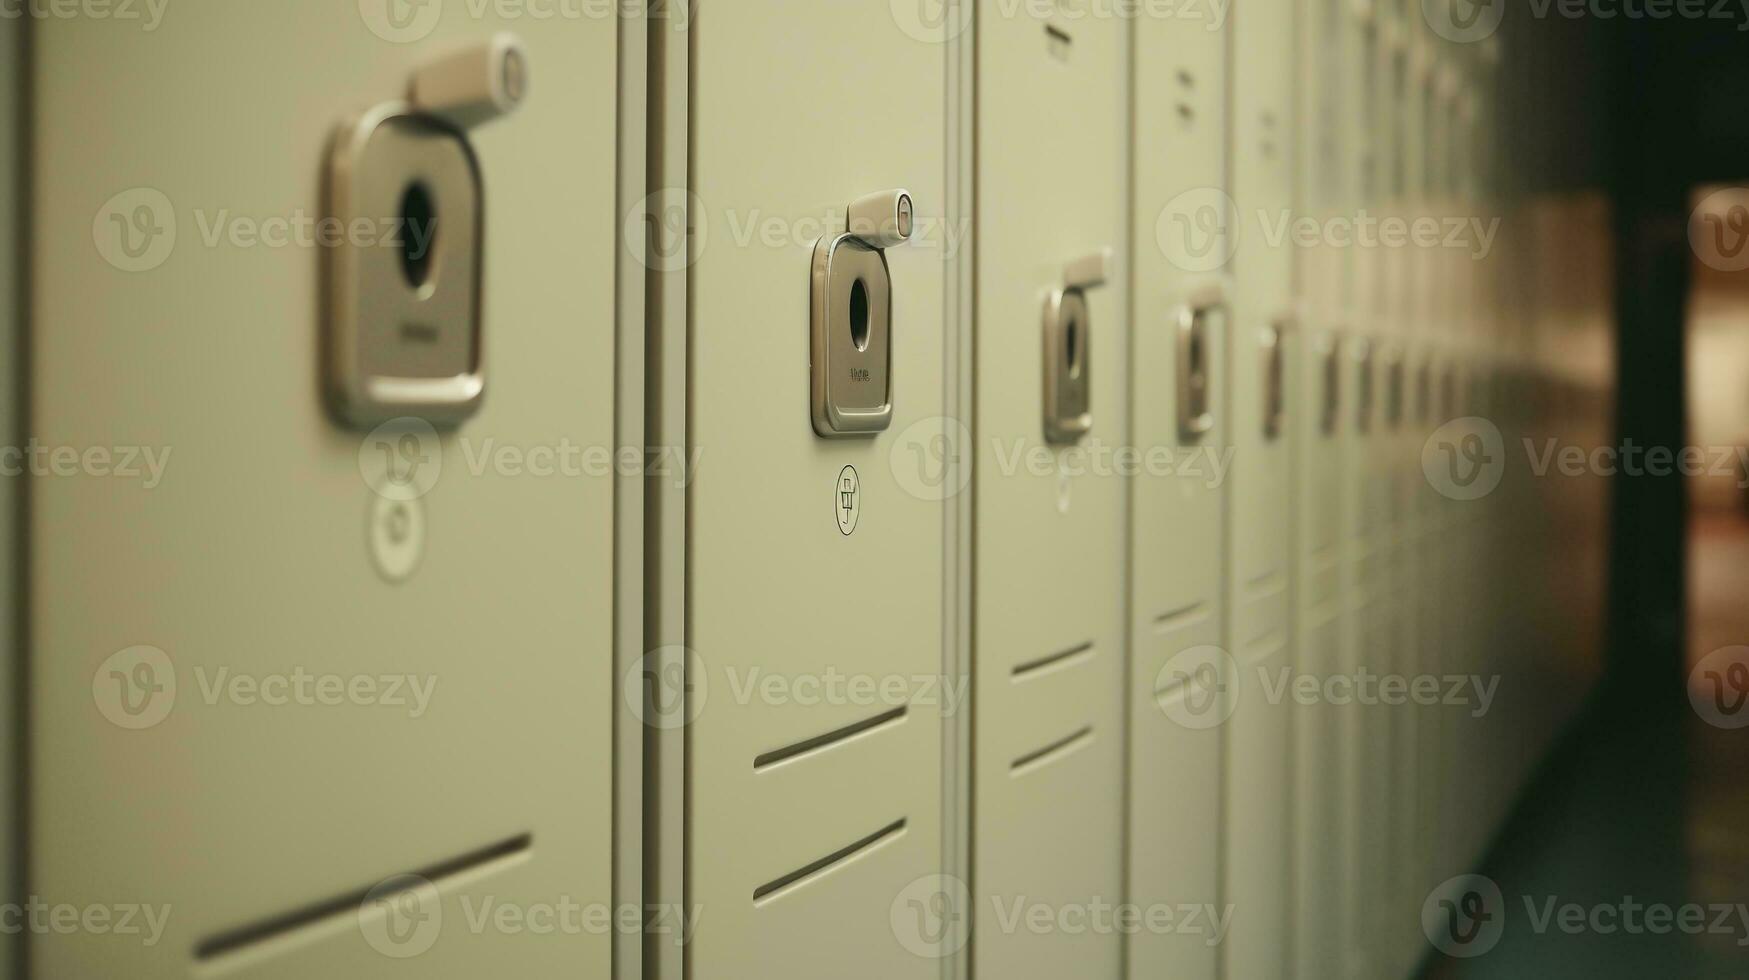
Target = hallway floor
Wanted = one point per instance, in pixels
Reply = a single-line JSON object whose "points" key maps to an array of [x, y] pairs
{"points": [[1651, 808]]}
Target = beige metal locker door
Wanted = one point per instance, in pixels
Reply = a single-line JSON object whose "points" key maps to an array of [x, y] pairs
{"points": [[1325, 275], [268, 672], [11, 333], [1258, 780], [1177, 612], [1359, 823], [815, 565], [1050, 520]]}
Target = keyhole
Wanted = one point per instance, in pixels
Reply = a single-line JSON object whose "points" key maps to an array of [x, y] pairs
{"points": [[418, 234], [859, 315], [1072, 347], [1196, 366]]}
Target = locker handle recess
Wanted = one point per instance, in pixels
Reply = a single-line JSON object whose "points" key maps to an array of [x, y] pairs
{"points": [[1273, 355], [1363, 385], [1067, 353], [1190, 323], [404, 324], [1330, 360], [851, 317]]}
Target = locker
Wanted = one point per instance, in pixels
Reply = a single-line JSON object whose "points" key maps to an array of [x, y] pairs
{"points": [[1361, 523], [1049, 541], [283, 542], [1182, 311], [11, 206], [813, 840], [1258, 779], [1319, 413]]}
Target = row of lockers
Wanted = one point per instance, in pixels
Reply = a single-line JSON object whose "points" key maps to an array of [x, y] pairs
{"points": [[1053, 415]]}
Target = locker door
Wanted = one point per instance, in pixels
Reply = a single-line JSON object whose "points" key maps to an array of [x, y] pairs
{"points": [[1359, 820], [1319, 415], [1177, 613], [296, 659], [11, 331], [815, 564], [1048, 629], [1258, 780], [1411, 76]]}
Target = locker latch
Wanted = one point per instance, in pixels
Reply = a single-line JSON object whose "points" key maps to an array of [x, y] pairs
{"points": [[1068, 366], [851, 354], [1363, 384], [1273, 355], [1330, 369], [1194, 324], [403, 304]]}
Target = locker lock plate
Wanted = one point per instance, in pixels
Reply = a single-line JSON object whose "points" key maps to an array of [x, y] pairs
{"points": [[1067, 352], [851, 316], [404, 309], [1068, 409], [403, 304], [1195, 325], [852, 338]]}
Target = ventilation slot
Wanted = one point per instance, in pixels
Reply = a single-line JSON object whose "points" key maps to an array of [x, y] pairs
{"points": [[1067, 658], [1181, 617], [775, 889], [343, 909], [1052, 752], [821, 742]]}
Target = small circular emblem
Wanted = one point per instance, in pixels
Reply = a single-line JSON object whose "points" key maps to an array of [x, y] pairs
{"points": [[397, 536], [847, 499]]}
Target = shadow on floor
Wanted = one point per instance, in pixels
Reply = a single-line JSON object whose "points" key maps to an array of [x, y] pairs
{"points": [[1645, 807]]}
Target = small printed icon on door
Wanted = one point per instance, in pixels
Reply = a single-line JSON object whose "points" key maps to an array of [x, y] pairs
{"points": [[847, 500]]}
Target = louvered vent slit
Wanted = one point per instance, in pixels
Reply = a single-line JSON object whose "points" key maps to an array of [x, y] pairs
{"points": [[1050, 753], [315, 915], [1062, 658], [821, 742], [777, 887]]}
